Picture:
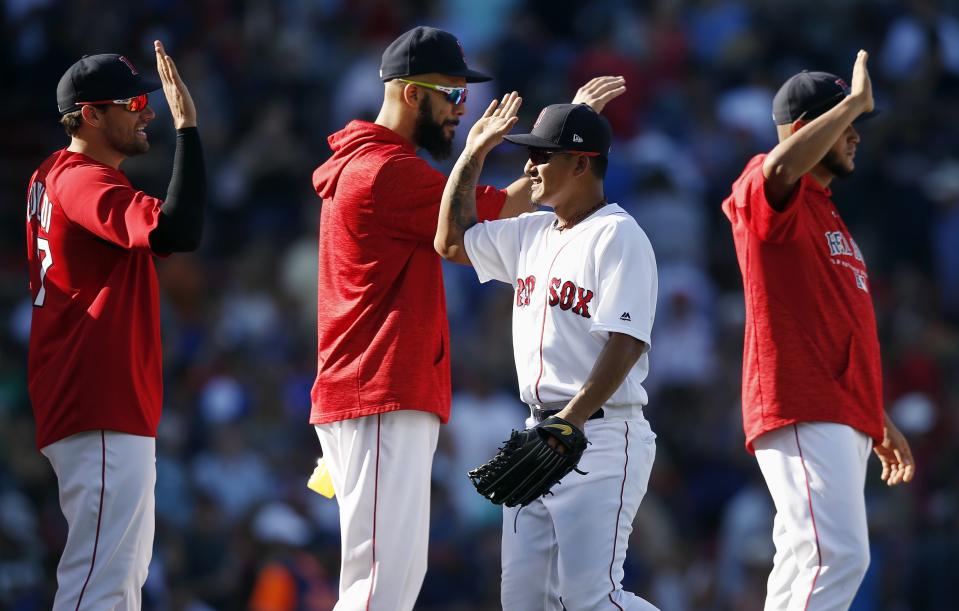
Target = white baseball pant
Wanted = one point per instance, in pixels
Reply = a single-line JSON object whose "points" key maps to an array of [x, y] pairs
{"points": [[381, 468], [106, 481], [816, 472], [566, 550]]}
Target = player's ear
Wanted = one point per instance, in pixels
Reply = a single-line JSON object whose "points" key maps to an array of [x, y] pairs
{"points": [[91, 116], [798, 124], [411, 94], [582, 165]]}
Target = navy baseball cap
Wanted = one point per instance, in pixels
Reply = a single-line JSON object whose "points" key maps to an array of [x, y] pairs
{"points": [[423, 50], [97, 78], [808, 95], [568, 127]]}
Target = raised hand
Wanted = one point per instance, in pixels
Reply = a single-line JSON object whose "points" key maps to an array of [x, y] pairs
{"points": [[598, 92], [496, 122], [177, 95], [895, 456], [861, 83]]}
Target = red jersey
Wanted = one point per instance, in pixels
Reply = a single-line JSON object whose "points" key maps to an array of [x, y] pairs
{"points": [[95, 360], [811, 351], [381, 312]]}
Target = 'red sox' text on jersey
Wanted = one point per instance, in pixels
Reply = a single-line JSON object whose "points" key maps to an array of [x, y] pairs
{"points": [[572, 289]]}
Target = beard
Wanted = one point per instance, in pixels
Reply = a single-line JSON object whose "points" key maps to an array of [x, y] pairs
{"points": [[834, 163], [429, 134], [129, 146]]}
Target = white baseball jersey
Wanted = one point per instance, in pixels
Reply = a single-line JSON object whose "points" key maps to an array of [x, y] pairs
{"points": [[573, 288]]}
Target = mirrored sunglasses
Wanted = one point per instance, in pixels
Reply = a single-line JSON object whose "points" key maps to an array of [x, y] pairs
{"points": [[454, 95], [134, 104]]}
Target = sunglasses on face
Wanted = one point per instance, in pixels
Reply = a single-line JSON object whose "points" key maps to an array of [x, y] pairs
{"points": [[540, 156], [134, 104], [454, 95]]}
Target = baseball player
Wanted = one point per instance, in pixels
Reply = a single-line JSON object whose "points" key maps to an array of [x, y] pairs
{"points": [[383, 370], [812, 387], [585, 281], [95, 356]]}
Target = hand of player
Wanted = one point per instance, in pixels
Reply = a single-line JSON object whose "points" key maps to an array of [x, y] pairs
{"points": [[496, 122], [895, 455], [861, 89], [598, 92], [177, 95], [566, 414]]}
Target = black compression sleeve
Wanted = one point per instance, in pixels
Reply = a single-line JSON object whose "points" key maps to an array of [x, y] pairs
{"points": [[180, 225]]}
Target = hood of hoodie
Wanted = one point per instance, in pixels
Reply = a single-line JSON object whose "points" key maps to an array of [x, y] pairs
{"points": [[346, 144]]}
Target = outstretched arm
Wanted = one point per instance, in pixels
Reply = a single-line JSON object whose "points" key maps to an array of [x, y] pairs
{"points": [[458, 206], [795, 156], [180, 224]]}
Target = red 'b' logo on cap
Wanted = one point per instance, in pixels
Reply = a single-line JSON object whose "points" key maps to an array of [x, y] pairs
{"points": [[129, 64], [539, 118]]}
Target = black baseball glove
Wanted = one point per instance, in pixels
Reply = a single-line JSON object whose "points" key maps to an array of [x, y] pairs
{"points": [[526, 467]]}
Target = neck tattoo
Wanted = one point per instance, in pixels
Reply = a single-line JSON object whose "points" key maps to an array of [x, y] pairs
{"points": [[579, 217]]}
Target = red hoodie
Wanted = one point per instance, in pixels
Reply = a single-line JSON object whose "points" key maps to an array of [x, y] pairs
{"points": [[381, 311]]}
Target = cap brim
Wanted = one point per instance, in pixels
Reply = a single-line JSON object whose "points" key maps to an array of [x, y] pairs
{"points": [[148, 85], [868, 115], [472, 76], [533, 141], [863, 117]]}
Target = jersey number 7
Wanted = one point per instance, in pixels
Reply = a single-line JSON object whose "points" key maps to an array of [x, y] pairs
{"points": [[43, 246]]}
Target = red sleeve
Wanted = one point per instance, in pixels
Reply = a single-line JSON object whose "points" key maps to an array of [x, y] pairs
{"points": [[103, 202], [489, 203], [407, 192], [748, 204]]}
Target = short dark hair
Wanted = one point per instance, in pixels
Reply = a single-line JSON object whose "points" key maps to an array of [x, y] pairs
{"points": [[71, 122], [598, 166]]}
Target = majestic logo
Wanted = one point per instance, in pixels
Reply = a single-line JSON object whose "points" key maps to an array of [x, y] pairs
{"points": [[564, 429], [577, 138], [626, 317], [129, 65], [563, 294]]}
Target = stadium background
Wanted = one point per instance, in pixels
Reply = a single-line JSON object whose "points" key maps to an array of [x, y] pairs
{"points": [[236, 525]]}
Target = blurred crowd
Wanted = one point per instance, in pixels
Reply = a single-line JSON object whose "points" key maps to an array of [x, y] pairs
{"points": [[236, 526]]}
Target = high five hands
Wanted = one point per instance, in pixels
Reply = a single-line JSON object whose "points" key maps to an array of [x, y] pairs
{"points": [[177, 95], [496, 122], [501, 115], [600, 91], [861, 88]]}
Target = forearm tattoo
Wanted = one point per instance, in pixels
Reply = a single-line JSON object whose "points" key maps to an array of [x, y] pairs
{"points": [[463, 202]]}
